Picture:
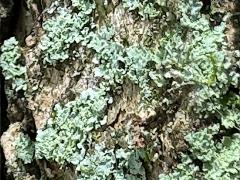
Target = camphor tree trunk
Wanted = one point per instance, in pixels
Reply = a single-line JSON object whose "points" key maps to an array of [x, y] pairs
{"points": [[111, 88]]}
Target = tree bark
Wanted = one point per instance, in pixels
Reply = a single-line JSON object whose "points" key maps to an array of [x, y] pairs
{"points": [[49, 85]]}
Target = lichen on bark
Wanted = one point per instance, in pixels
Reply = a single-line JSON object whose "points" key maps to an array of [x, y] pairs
{"points": [[114, 87]]}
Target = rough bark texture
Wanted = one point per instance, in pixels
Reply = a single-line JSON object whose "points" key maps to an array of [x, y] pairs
{"points": [[49, 85]]}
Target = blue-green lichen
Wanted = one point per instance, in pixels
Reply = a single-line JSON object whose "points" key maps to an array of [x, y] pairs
{"points": [[24, 148], [220, 159], [65, 30], [68, 131], [191, 56], [11, 63]]}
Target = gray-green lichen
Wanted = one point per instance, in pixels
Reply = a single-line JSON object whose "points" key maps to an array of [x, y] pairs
{"points": [[68, 131], [187, 68], [64, 30], [24, 148], [12, 66]]}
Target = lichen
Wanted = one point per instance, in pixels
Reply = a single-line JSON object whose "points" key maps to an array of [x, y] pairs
{"points": [[12, 66], [186, 69]]}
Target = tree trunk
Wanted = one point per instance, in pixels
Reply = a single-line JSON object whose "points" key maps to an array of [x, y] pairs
{"points": [[98, 63]]}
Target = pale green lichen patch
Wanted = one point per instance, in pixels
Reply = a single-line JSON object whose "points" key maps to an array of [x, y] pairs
{"points": [[68, 132], [64, 30], [188, 69], [25, 149], [12, 65]]}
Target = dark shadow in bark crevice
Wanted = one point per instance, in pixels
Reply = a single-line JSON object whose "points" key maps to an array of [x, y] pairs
{"points": [[9, 23], [4, 123]]}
